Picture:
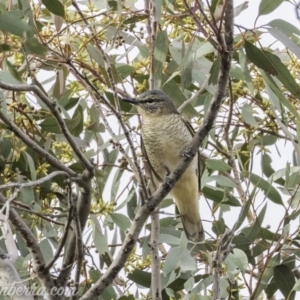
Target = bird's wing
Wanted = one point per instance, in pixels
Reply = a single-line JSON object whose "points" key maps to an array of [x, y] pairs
{"points": [[192, 131], [149, 163]]}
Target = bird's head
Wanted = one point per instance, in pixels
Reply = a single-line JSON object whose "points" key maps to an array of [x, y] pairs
{"points": [[153, 103]]}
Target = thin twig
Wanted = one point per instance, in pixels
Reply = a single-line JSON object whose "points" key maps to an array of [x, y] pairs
{"points": [[223, 249], [32, 183], [65, 233]]}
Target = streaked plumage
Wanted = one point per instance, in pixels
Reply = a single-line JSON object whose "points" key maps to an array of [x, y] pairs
{"points": [[165, 136]]}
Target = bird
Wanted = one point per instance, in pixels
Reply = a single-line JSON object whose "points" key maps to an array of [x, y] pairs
{"points": [[165, 136]]}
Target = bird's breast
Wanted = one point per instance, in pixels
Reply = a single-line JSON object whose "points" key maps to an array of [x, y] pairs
{"points": [[165, 138]]}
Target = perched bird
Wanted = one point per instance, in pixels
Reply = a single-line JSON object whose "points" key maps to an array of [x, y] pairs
{"points": [[165, 137]]}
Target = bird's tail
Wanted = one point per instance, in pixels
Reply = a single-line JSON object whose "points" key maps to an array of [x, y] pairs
{"points": [[194, 231]]}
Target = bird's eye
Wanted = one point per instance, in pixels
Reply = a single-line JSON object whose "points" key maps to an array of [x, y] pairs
{"points": [[150, 101]]}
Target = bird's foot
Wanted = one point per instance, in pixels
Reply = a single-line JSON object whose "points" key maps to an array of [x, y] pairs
{"points": [[186, 154]]}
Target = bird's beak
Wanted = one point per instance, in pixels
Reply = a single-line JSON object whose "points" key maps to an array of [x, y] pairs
{"points": [[130, 100]]}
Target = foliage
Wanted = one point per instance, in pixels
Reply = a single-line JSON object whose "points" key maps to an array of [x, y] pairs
{"points": [[84, 56]]}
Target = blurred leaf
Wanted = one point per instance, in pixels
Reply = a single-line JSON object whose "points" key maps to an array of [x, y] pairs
{"points": [[214, 72], [217, 195], [55, 7], [284, 27], [187, 65], [267, 168], [267, 274], [270, 82], [95, 55], [218, 165], [285, 281], [172, 260], [121, 221], [125, 70], [46, 249], [135, 19], [76, 126], [259, 58], [222, 180], [269, 191], [267, 6], [283, 74], [247, 115], [238, 9], [160, 54], [172, 89], [13, 71], [11, 23], [141, 278], [237, 259], [33, 46], [260, 247], [285, 40], [187, 262], [219, 227], [4, 47], [297, 286]]}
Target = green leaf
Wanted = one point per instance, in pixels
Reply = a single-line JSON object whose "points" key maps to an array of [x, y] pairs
{"points": [[46, 249], [100, 240], [267, 6], [55, 7], [172, 260], [284, 75], [140, 277], [187, 65], [297, 286], [219, 227], [172, 89], [247, 115], [160, 54], [285, 281], [96, 55], [125, 70], [244, 211], [222, 180], [51, 125], [259, 58], [135, 19], [121, 221], [11, 23], [268, 273], [217, 195], [237, 259], [273, 86], [284, 27], [285, 40], [187, 262], [13, 71], [214, 72], [33, 46], [269, 191], [218, 165]]}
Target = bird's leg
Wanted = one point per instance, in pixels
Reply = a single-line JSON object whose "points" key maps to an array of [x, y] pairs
{"points": [[167, 175], [167, 171], [187, 154]]}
